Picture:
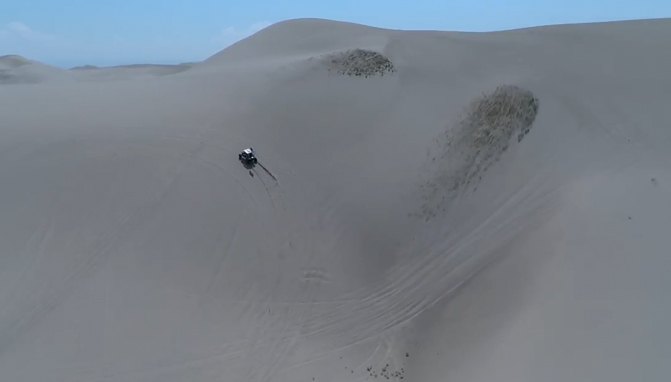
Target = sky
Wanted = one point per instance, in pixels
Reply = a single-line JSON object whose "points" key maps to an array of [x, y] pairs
{"points": [[69, 33]]}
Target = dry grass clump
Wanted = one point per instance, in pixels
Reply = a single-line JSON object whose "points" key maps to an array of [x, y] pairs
{"points": [[360, 62], [469, 149]]}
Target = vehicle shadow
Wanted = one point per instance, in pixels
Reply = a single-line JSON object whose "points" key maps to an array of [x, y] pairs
{"points": [[248, 165]]}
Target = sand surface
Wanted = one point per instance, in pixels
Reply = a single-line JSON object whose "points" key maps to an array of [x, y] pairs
{"points": [[481, 207]]}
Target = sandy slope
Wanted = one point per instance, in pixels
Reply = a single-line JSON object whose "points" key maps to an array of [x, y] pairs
{"points": [[135, 247]]}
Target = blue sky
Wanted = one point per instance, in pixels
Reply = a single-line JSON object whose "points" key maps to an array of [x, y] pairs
{"points": [[76, 32]]}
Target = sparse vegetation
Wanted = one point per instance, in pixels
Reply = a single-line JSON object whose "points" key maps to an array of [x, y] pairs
{"points": [[485, 133], [360, 62], [478, 141], [386, 372], [495, 117]]}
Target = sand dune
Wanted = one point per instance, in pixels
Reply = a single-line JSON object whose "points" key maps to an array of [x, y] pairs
{"points": [[126, 71], [493, 208], [19, 70]]}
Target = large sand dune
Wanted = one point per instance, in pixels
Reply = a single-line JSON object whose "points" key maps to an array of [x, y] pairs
{"points": [[457, 207]]}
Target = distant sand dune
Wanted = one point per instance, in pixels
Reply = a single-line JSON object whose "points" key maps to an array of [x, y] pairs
{"points": [[19, 70]]}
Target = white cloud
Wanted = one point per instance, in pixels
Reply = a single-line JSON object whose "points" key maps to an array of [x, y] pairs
{"points": [[257, 27], [21, 31], [20, 38], [233, 34], [19, 28]]}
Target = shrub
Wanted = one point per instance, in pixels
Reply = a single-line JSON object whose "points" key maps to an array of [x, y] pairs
{"points": [[471, 147], [360, 62]]}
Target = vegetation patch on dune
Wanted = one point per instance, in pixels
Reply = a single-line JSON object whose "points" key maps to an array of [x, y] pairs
{"points": [[360, 62], [494, 118], [490, 124]]}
